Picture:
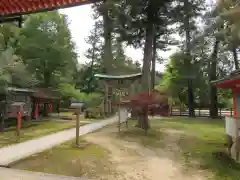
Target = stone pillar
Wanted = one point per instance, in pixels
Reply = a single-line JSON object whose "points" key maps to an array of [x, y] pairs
{"points": [[232, 126]]}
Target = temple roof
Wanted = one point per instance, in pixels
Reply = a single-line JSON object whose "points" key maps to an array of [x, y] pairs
{"points": [[10, 8], [230, 81], [46, 93]]}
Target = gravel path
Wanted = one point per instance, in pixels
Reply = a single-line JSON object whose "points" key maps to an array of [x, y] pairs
{"points": [[131, 160]]}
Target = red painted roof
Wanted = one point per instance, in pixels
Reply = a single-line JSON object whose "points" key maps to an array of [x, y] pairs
{"points": [[231, 83], [19, 7]]}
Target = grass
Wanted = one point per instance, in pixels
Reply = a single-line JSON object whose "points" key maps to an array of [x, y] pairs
{"points": [[36, 129], [65, 159], [200, 140]]}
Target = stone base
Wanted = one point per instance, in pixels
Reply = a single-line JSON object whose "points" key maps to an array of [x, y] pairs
{"points": [[235, 149]]}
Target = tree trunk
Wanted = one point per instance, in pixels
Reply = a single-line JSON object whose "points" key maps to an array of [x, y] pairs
{"points": [[108, 56], [191, 108], [143, 121], [188, 59], [3, 110], [46, 75], [153, 75], [235, 57], [107, 25], [45, 109], [213, 76], [148, 50], [92, 61], [2, 123]]}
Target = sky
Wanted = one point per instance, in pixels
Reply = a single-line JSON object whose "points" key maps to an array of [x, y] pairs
{"points": [[81, 23]]}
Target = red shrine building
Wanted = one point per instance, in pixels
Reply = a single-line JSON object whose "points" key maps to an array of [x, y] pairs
{"points": [[232, 82], [232, 124]]}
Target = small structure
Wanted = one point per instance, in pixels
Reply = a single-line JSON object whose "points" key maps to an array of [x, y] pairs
{"points": [[43, 100], [232, 124], [34, 102], [15, 95], [116, 87]]}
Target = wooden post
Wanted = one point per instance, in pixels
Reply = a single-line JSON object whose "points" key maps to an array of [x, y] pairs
{"points": [[118, 106], [29, 119], [127, 121], [19, 118], [77, 126], [106, 99], [110, 103], [119, 120]]}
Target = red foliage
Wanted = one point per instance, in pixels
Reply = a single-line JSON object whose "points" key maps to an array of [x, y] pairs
{"points": [[156, 102]]}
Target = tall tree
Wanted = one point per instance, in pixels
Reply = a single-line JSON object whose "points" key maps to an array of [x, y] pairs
{"points": [[104, 9], [212, 77], [137, 28], [230, 31], [47, 48], [94, 54], [186, 13]]}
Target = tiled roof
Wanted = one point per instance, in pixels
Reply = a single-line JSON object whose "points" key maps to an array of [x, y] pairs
{"points": [[19, 7]]}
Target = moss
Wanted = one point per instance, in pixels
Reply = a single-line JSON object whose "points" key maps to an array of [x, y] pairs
{"points": [[65, 159], [36, 129]]}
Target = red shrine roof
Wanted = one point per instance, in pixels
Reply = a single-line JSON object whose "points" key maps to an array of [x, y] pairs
{"points": [[19, 7], [230, 81]]}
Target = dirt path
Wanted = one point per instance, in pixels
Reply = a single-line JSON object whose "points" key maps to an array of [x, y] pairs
{"points": [[135, 162]]}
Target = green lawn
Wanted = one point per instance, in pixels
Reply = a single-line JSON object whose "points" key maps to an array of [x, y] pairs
{"points": [[36, 129], [200, 140], [199, 144], [89, 161]]}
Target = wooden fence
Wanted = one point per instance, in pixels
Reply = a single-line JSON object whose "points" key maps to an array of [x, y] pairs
{"points": [[200, 112]]}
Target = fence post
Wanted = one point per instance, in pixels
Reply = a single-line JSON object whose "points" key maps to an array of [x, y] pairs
{"points": [[220, 112], [180, 111], [231, 112], [171, 111], [199, 112]]}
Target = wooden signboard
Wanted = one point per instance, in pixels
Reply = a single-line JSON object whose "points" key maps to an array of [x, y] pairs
{"points": [[121, 92], [76, 105]]}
